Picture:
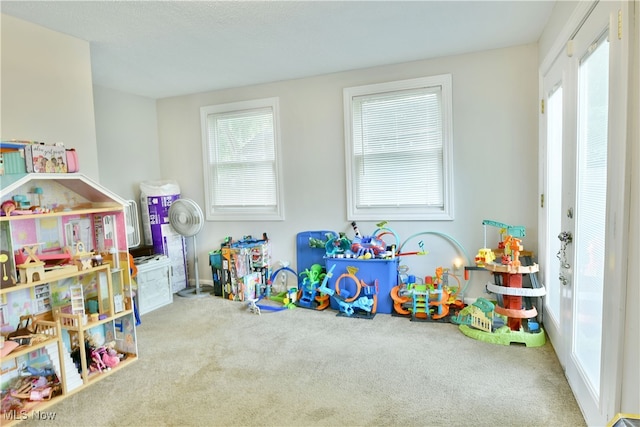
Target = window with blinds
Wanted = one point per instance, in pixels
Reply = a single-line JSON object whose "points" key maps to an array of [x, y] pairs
{"points": [[242, 171], [399, 150]]}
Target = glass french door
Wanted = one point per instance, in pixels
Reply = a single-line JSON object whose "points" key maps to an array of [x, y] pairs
{"points": [[556, 302], [581, 149]]}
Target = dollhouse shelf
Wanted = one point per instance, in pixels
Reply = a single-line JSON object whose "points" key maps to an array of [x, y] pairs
{"points": [[54, 278], [74, 322], [94, 376], [32, 408], [72, 211], [45, 328], [24, 349], [52, 330], [75, 325]]}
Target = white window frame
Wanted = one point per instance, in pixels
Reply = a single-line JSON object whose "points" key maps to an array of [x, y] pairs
{"points": [[241, 213], [408, 213]]}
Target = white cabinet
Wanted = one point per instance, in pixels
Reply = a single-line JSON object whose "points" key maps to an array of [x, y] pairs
{"points": [[154, 283]]}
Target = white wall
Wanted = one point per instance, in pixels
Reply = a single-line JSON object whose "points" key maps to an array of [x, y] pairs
{"points": [[495, 152], [127, 135], [46, 90]]}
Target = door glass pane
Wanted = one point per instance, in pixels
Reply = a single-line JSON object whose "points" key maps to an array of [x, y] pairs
{"points": [[593, 101], [554, 200]]}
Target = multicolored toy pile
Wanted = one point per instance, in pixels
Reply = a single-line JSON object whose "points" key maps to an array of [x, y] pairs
{"points": [[362, 276]]}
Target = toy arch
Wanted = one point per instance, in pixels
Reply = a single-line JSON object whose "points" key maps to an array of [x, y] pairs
{"points": [[282, 270], [358, 286]]}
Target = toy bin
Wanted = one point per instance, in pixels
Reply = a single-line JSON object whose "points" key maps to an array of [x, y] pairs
{"points": [[384, 270]]}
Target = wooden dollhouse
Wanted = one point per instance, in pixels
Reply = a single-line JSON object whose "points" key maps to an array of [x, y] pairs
{"points": [[78, 302]]}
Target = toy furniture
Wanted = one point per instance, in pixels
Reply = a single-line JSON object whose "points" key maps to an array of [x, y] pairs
{"points": [[32, 269], [82, 258]]}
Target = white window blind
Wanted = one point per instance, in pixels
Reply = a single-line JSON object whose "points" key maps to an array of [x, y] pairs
{"points": [[591, 203], [399, 149], [241, 160]]}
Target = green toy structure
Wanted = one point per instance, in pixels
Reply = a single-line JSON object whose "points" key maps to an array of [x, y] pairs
{"points": [[477, 321], [512, 319]]}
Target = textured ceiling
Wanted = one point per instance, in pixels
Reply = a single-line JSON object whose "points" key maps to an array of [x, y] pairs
{"points": [[162, 49]]}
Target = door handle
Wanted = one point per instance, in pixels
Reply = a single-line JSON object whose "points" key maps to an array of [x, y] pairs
{"points": [[565, 238]]}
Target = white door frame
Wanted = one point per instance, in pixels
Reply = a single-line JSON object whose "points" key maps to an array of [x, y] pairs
{"points": [[549, 245], [599, 411]]}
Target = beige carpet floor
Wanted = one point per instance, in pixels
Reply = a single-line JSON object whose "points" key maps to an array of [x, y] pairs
{"points": [[209, 362]]}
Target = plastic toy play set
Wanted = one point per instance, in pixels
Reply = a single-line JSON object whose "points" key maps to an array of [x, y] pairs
{"points": [[362, 276], [513, 318]]}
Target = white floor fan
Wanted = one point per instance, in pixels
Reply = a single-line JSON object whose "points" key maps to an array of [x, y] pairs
{"points": [[186, 218]]}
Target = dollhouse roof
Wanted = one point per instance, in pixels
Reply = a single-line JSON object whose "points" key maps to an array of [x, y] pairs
{"points": [[77, 183]]}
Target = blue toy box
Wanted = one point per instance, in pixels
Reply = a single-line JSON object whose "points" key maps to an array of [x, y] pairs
{"points": [[384, 270], [310, 248]]}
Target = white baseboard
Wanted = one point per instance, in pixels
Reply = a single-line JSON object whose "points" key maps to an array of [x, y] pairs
{"points": [[192, 282]]}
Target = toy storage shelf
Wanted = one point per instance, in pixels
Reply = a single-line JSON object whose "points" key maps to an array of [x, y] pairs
{"points": [[66, 201]]}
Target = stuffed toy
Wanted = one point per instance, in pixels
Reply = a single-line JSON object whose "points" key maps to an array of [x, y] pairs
{"points": [[110, 356]]}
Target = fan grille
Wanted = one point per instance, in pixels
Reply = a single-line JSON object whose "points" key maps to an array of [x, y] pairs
{"points": [[186, 217]]}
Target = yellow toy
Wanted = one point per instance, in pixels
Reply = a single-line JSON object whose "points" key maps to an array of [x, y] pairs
{"points": [[484, 256]]}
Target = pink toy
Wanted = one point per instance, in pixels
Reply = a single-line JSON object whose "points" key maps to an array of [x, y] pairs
{"points": [[110, 358], [96, 357], [8, 207], [109, 355], [104, 358]]}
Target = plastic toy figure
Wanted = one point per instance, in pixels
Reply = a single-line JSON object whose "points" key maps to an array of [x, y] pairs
{"points": [[309, 285], [8, 206], [512, 247], [347, 306], [337, 245], [484, 256], [368, 245]]}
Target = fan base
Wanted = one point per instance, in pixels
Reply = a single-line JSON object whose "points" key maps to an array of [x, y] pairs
{"points": [[196, 292]]}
